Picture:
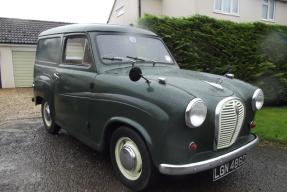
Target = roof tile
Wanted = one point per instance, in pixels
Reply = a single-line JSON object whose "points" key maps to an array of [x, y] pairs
{"points": [[21, 31]]}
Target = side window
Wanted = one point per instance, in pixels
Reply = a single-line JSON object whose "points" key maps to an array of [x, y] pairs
{"points": [[77, 51], [48, 50]]}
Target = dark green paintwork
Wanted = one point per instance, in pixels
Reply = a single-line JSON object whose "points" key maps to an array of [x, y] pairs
{"points": [[88, 102]]}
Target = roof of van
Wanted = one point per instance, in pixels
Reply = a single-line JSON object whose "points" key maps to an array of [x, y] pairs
{"points": [[95, 27]]}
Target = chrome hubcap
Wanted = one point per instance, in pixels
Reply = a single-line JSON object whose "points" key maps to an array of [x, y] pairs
{"points": [[128, 158], [47, 114]]}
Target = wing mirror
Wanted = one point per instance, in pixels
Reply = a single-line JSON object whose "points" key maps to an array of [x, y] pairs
{"points": [[135, 74]]}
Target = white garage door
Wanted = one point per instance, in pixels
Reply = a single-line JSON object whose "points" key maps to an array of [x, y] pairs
{"points": [[23, 63]]}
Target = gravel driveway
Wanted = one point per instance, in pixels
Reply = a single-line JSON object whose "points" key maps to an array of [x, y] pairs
{"points": [[17, 104], [33, 160]]}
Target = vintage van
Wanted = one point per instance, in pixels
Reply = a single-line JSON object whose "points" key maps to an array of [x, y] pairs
{"points": [[118, 88]]}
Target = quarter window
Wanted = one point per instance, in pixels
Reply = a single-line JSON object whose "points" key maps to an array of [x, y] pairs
{"points": [[77, 51], [268, 8], [227, 6], [48, 50]]}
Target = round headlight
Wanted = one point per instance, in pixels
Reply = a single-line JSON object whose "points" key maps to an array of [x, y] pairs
{"points": [[257, 99], [195, 113]]}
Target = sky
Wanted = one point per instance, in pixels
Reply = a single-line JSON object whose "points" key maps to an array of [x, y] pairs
{"points": [[80, 11]]}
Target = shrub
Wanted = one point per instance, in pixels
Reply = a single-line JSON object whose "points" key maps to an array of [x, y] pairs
{"points": [[254, 52]]}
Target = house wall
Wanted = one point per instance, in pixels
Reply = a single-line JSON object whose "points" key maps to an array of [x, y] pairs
{"points": [[7, 76], [249, 10], [153, 7], [130, 15], [6, 61], [175, 8], [281, 13]]}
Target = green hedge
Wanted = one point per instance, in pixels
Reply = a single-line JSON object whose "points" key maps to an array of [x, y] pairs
{"points": [[254, 52]]}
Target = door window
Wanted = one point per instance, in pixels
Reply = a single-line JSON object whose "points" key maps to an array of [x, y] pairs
{"points": [[77, 51]]}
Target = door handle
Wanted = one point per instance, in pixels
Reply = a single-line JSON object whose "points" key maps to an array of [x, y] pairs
{"points": [[57, 75]]}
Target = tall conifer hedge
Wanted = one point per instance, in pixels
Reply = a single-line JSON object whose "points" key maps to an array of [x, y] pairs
{"points": [[254, 52]]}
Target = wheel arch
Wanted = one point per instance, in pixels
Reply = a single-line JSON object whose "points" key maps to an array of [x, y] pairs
{"points": [[116, 122], [43, 91]]}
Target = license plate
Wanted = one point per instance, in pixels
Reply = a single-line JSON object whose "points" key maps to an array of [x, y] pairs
{"points": [[225, 169]]}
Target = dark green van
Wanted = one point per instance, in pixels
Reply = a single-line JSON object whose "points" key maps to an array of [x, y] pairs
{"points": [[118, 88]]}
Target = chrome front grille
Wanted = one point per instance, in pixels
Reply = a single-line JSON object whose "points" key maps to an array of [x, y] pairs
{"points": [[230, 113]]}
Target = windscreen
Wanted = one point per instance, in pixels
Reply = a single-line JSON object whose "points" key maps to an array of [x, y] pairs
{"points": [[124, 46]]}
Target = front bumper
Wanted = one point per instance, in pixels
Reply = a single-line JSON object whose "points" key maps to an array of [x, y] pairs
{"points": [[169, 169]]}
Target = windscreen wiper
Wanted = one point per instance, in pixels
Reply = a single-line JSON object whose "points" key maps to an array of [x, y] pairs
{"points": [[143, 60], [132, 60], [122, 59]]}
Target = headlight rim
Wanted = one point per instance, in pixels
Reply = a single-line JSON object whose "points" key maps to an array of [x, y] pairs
{"points": [[190, 105], [256, 93]]}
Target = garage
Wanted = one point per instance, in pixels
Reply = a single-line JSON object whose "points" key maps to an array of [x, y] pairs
{"points": [[23, 65], [18, 39]]}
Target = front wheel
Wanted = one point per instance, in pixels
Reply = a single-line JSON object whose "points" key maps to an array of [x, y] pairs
{"points": [[131, 159], [48, 118]]}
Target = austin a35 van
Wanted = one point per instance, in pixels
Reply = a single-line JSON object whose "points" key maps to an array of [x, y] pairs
{"points": [[119, 89]]}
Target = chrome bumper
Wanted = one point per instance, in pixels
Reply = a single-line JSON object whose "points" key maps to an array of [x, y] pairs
{"points": [[192, 168]]}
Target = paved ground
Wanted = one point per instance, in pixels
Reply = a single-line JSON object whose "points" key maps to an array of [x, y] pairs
{"points": [[17, 104], [33, 160]]}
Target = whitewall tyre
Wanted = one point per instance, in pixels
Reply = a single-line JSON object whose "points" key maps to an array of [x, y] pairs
{"points": [[48, 118], [131, 159]]}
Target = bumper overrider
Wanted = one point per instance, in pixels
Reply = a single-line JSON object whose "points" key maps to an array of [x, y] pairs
{"points": [[169, 169]]}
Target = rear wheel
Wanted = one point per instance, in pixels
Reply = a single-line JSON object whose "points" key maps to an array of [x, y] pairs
{"points": [[131, 159], [48, 118]]}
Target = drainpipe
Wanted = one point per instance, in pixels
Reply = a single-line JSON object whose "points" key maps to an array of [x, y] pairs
{"points": [[140, 8]]}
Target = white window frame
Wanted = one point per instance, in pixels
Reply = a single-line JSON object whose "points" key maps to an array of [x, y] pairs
{"points": [[220, 11], [120, 10], [268, 11]]}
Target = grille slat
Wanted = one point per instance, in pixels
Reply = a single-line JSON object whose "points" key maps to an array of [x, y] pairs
{"points": [[228, 123], [226, 120], [227, 133], [230, 120], [228, 115], [223, 139], [228, 127]]}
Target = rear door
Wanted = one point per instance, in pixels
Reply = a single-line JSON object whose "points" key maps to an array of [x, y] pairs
{"points": [[47, 60], [74, 85]]}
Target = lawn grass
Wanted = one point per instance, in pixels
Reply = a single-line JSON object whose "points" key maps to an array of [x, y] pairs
{"points": [[272, 124]]}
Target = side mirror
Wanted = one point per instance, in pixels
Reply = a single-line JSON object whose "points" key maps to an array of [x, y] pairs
{"points": [[135, 74]]}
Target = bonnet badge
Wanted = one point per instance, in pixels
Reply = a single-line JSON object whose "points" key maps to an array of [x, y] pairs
{"points": [[216, 85]]}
